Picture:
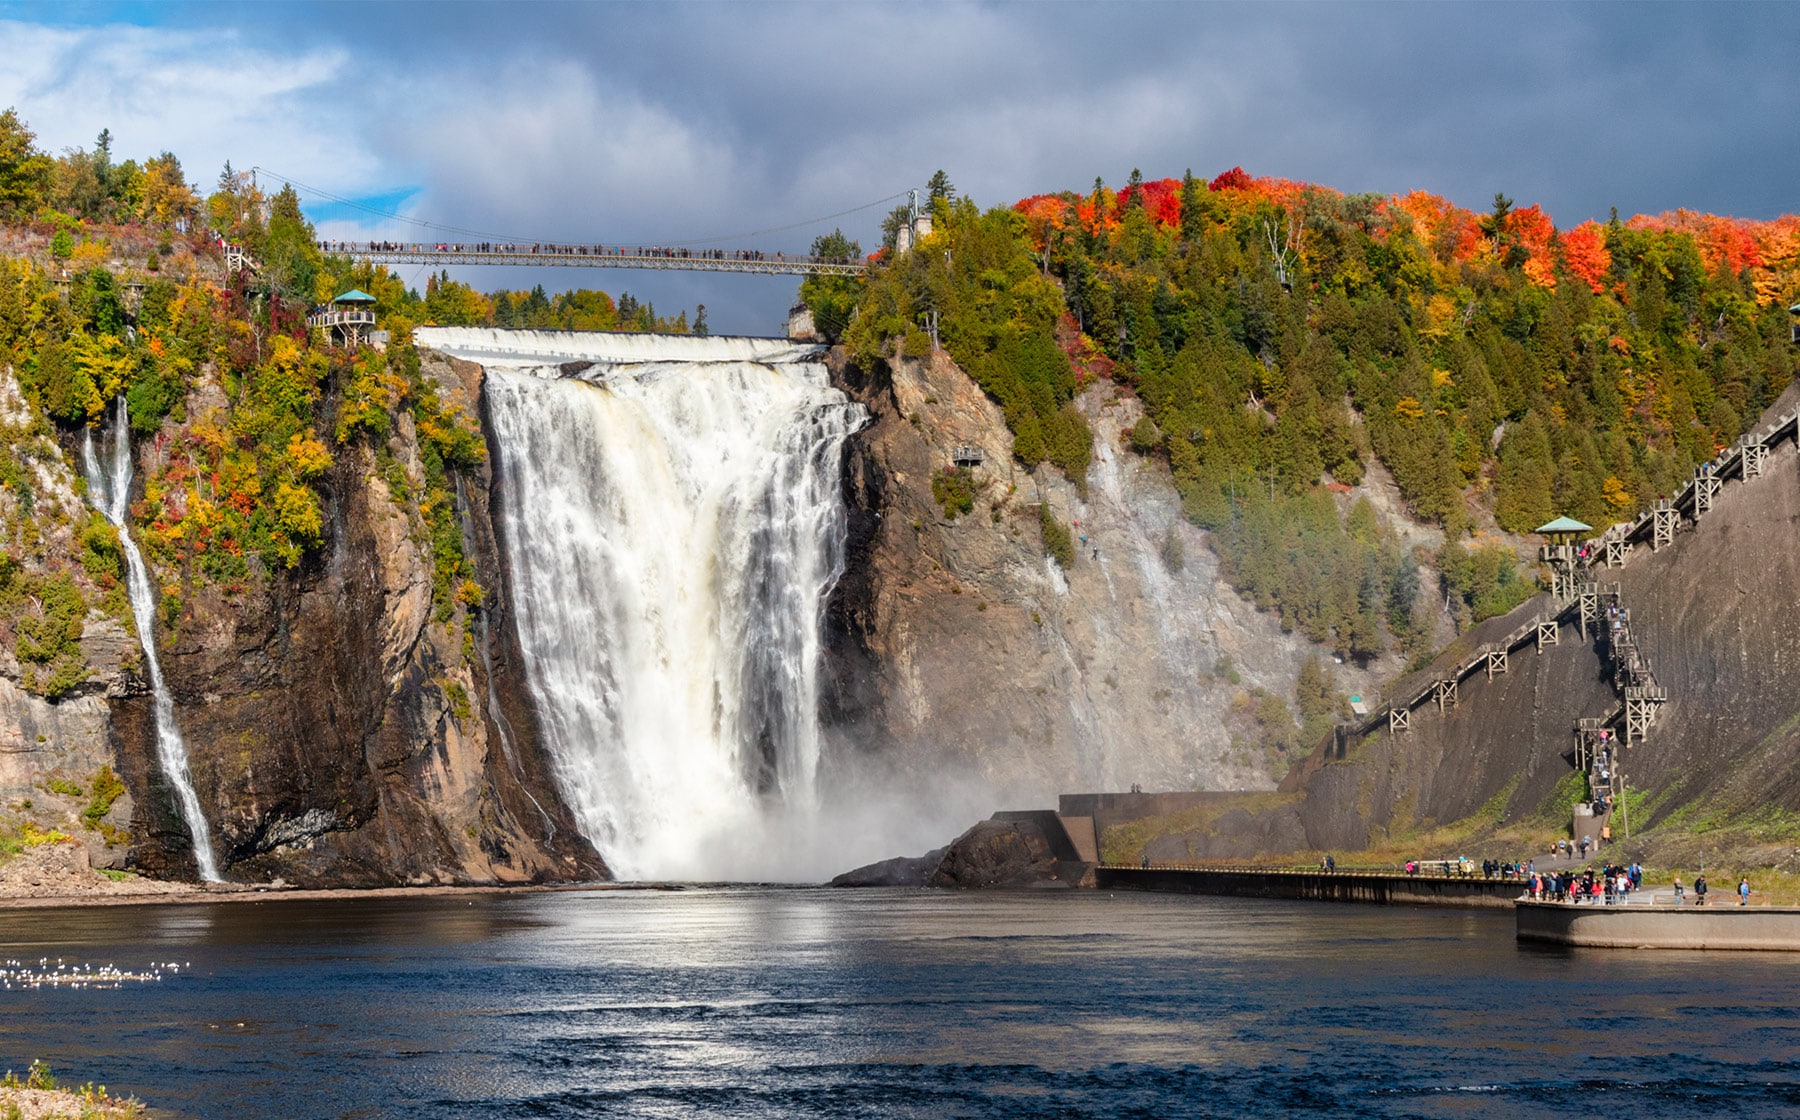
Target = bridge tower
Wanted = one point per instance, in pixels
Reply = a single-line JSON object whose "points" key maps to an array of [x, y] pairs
{"points": [[917, 227]]}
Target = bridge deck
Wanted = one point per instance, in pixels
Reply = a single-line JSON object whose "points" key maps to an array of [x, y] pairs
{"points": [[597, 256]]}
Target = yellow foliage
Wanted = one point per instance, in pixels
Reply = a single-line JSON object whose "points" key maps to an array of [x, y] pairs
{"points": [[106, 364], [308, 455], [1409, 408], [88, 254], [1441, 378], [1615, 494], [297, 522]]}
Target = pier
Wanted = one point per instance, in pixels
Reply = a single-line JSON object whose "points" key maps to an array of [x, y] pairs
{"points": [[1378, 888]]}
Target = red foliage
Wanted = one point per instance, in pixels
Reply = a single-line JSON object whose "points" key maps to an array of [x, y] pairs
{"points": [[1162, 199], [1237, 179]]}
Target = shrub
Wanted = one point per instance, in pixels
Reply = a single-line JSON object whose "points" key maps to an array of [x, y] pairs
{"points": [[1059, 543], [954, 489]]}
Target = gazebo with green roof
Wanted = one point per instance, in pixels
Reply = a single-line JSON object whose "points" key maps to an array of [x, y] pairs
{"points": [[1564, 526], [347, 317], [1560, 554]]}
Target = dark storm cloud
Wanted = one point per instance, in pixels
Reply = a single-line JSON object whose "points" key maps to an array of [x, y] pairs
{"points": [[664, 123]]}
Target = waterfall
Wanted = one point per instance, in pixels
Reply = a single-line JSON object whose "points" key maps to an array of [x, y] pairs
{"points": [[109, 489], [672, 524]]}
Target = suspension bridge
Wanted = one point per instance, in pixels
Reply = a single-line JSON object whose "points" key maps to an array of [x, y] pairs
{"points": [[541, 254]]}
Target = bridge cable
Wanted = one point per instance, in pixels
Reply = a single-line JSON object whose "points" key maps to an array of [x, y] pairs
{"points": [[784, 229], [366, 208]]}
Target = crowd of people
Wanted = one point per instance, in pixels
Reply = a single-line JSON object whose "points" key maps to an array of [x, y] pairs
{"points": [[1611, 883], [546, 248], [1463, 868]]}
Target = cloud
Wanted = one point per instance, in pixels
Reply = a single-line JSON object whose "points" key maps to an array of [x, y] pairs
{"points": [[551, 151], [664, 123], [208, 96]]}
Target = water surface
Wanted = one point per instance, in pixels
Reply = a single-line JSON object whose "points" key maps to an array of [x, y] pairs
{"points": [[817, 1003]]}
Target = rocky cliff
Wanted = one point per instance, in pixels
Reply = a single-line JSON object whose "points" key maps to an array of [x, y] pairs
{"points": [[958, 646], [343, 729]]}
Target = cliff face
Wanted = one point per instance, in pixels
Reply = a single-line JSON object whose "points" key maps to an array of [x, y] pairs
{"points": [[957, 647], [341, 730]]}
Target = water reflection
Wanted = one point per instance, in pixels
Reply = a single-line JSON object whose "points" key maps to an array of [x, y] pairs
{"points": [[821, 1003]]}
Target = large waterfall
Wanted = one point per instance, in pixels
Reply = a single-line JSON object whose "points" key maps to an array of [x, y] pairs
{"points": [[109, 488], [672, 523]]}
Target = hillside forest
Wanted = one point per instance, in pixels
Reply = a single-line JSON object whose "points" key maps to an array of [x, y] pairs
{"points": [[112, 284], [1284, 338]]}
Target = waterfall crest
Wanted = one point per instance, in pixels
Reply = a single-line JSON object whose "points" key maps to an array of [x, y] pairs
{"points": [[672, 523], [109, 489]]}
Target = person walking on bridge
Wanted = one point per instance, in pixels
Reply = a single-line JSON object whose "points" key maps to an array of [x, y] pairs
{"points": [[1743, 891], [1700, 890]]}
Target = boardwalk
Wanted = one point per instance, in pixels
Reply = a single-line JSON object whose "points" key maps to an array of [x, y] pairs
{"points": [[543, 255], [1580, 601]]}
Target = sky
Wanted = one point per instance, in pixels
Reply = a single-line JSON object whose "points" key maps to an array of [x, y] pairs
{"points": [[744, 124]]}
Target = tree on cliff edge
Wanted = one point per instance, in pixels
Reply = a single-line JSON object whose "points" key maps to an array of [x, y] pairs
{"points": [[831, 299], [24, 171]]}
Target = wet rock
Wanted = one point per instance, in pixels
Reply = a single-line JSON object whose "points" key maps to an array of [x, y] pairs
{"points": [[901, 871]]}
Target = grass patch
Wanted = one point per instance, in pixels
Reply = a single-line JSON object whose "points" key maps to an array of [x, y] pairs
{"points": [[1125, 843]]}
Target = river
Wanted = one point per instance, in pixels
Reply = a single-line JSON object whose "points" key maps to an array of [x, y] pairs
{"points": [[749, 1002]]}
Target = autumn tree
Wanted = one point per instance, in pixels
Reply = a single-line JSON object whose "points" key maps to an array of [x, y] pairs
{"points": [[168, 200], [24, 171]]}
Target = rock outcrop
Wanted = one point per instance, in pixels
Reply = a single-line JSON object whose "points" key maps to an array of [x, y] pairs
{"points": [[958, 646]]}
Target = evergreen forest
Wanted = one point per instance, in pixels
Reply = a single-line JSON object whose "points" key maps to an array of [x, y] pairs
{"points": [[1285, 339]]}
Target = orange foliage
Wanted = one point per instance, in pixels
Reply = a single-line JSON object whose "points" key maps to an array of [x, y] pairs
{"points": [[1534, 230], [1727, 245], [1770, 250], [1585, 252], [1439, 225], [1043, 213]]}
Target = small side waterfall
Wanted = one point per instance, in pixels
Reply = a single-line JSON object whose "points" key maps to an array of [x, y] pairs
{"points": [[673, 523], [109, 489]]}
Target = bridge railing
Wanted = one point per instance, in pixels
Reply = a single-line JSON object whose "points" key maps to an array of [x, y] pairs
{"points": [[586, 251]]}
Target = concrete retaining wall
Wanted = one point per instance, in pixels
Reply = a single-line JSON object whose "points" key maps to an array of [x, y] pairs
{"points": [[1343, 886], [1661, 927]]}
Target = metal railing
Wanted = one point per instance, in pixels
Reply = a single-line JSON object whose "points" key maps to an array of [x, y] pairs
{"points": [[752, 261]]}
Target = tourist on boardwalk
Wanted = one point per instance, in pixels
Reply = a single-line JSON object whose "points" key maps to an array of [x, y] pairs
{"points": [[1678, 895], [1700, 890], [1743, 892]]}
